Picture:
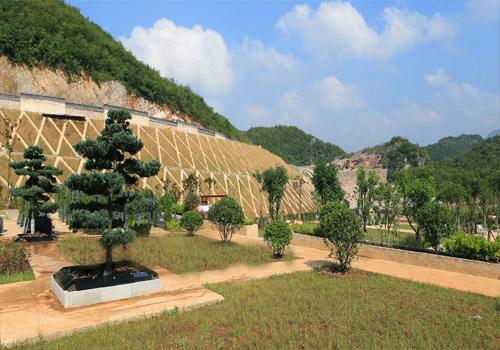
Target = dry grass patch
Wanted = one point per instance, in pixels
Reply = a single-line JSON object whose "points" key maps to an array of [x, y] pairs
{"points": [[175, 252]]}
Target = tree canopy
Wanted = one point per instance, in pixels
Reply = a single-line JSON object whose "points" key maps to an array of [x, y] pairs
{"points": [[326, 183], [110, 169]]}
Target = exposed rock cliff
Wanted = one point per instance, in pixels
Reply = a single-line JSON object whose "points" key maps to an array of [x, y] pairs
{"points": [[15, 79]]}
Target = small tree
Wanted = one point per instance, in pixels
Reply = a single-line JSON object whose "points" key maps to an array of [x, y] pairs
{"points": [[211, 183], [190, 183], [343, 231], [278, 236], [366, 192], [192, 201], [273, 182], [191, 221], [326, 183], [389, 201], [166, 206], [298, 185], [111, 168], [437, 224], [8, 146], [39, 184], [228, 216]]}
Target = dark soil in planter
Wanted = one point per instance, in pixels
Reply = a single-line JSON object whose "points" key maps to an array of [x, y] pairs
{"points": [[75, 278], [36, 237], [333, 271]]}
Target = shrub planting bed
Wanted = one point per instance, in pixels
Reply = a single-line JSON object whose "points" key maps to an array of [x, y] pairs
{"points": [[14, 262]]}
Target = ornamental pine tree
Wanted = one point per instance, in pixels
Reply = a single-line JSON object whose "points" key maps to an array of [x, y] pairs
{"points": [[110, 169], [39, 184]]}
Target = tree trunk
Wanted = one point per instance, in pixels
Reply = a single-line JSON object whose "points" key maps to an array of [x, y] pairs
{"points": [[33, 216], [108, 267]]}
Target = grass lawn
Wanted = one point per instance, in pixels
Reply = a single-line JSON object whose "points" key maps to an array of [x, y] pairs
{"points": [[307, 310], [175, 252], [17, 277]]}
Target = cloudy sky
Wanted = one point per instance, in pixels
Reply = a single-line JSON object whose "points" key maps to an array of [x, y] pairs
{"points": [[351, 73]]}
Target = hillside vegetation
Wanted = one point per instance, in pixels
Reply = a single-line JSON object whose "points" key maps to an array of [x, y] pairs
{"points": [[483, 157], [56, 35], [294, 145], [451, 146], [398, 154]]}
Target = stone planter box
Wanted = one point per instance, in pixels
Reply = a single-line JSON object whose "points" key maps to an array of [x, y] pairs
{"points": [[72, 291], [249, 230]]}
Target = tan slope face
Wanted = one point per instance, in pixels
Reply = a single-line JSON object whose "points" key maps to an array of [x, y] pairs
{"points": [[230, 163]]}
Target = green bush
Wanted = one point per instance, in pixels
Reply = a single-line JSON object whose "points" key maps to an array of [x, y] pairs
{"points": [[343, 231], [14, 257], [228, 216], [249, 221], [191, 221], [166, 206], [438, 223], [278, 236], [192, 201], [172, 226], [472, 247], [178, 209]]}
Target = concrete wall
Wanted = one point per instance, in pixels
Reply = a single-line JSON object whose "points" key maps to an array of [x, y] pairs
{"points": [[58, 106], [434, 261]]}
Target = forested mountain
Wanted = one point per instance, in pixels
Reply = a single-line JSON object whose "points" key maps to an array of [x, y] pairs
{"points": [[399, 153], [485, 156], [451, 146], [55, 35], [493, 133], [294, 145]]}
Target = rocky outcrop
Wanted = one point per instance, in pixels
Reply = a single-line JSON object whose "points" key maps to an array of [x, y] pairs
{"points": [[15, 79]]}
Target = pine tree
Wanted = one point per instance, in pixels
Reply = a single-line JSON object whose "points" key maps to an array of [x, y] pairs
{"points": [[39, 184], [111, 170]]}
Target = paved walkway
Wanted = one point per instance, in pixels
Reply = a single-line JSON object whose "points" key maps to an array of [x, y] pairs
{"points": [[30, 309]]}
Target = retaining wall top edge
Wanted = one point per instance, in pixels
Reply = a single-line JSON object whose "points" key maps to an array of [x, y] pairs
{"points": [[42, 97]]}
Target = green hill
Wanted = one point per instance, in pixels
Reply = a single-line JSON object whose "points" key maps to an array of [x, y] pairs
{"points": [[451, 146], [293, 145], [399, 153], [484, 156], [55, 35]]}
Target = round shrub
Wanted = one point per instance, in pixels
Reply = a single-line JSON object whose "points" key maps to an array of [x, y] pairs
{"points": [[192, 201], [191, 221], [342, 230], [278, 236], [228, 216]]}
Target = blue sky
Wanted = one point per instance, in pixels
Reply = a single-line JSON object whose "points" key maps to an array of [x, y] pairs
{"points": [[351, 73]]}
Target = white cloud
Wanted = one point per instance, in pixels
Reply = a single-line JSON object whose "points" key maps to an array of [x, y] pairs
{"points": [[483, 10], [257, 56], [337, 29], [440, 78], [305, 106], [192, 56], [336, 96], [465, 102]]}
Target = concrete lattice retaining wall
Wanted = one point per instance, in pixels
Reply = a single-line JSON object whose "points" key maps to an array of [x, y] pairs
{"points": [[206, 155], [434, 261]]}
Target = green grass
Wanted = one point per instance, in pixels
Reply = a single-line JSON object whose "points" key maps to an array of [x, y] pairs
{"points": [[175, 252], [403, 239], [17, 277], [306, 310]]}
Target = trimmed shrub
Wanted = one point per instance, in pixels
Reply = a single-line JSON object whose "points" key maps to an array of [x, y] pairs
{"points": [[472, 247], [178, 209], [343, 230], [191, 221], [172, 226], [192, 201], [278, 236], [228, 216]]}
